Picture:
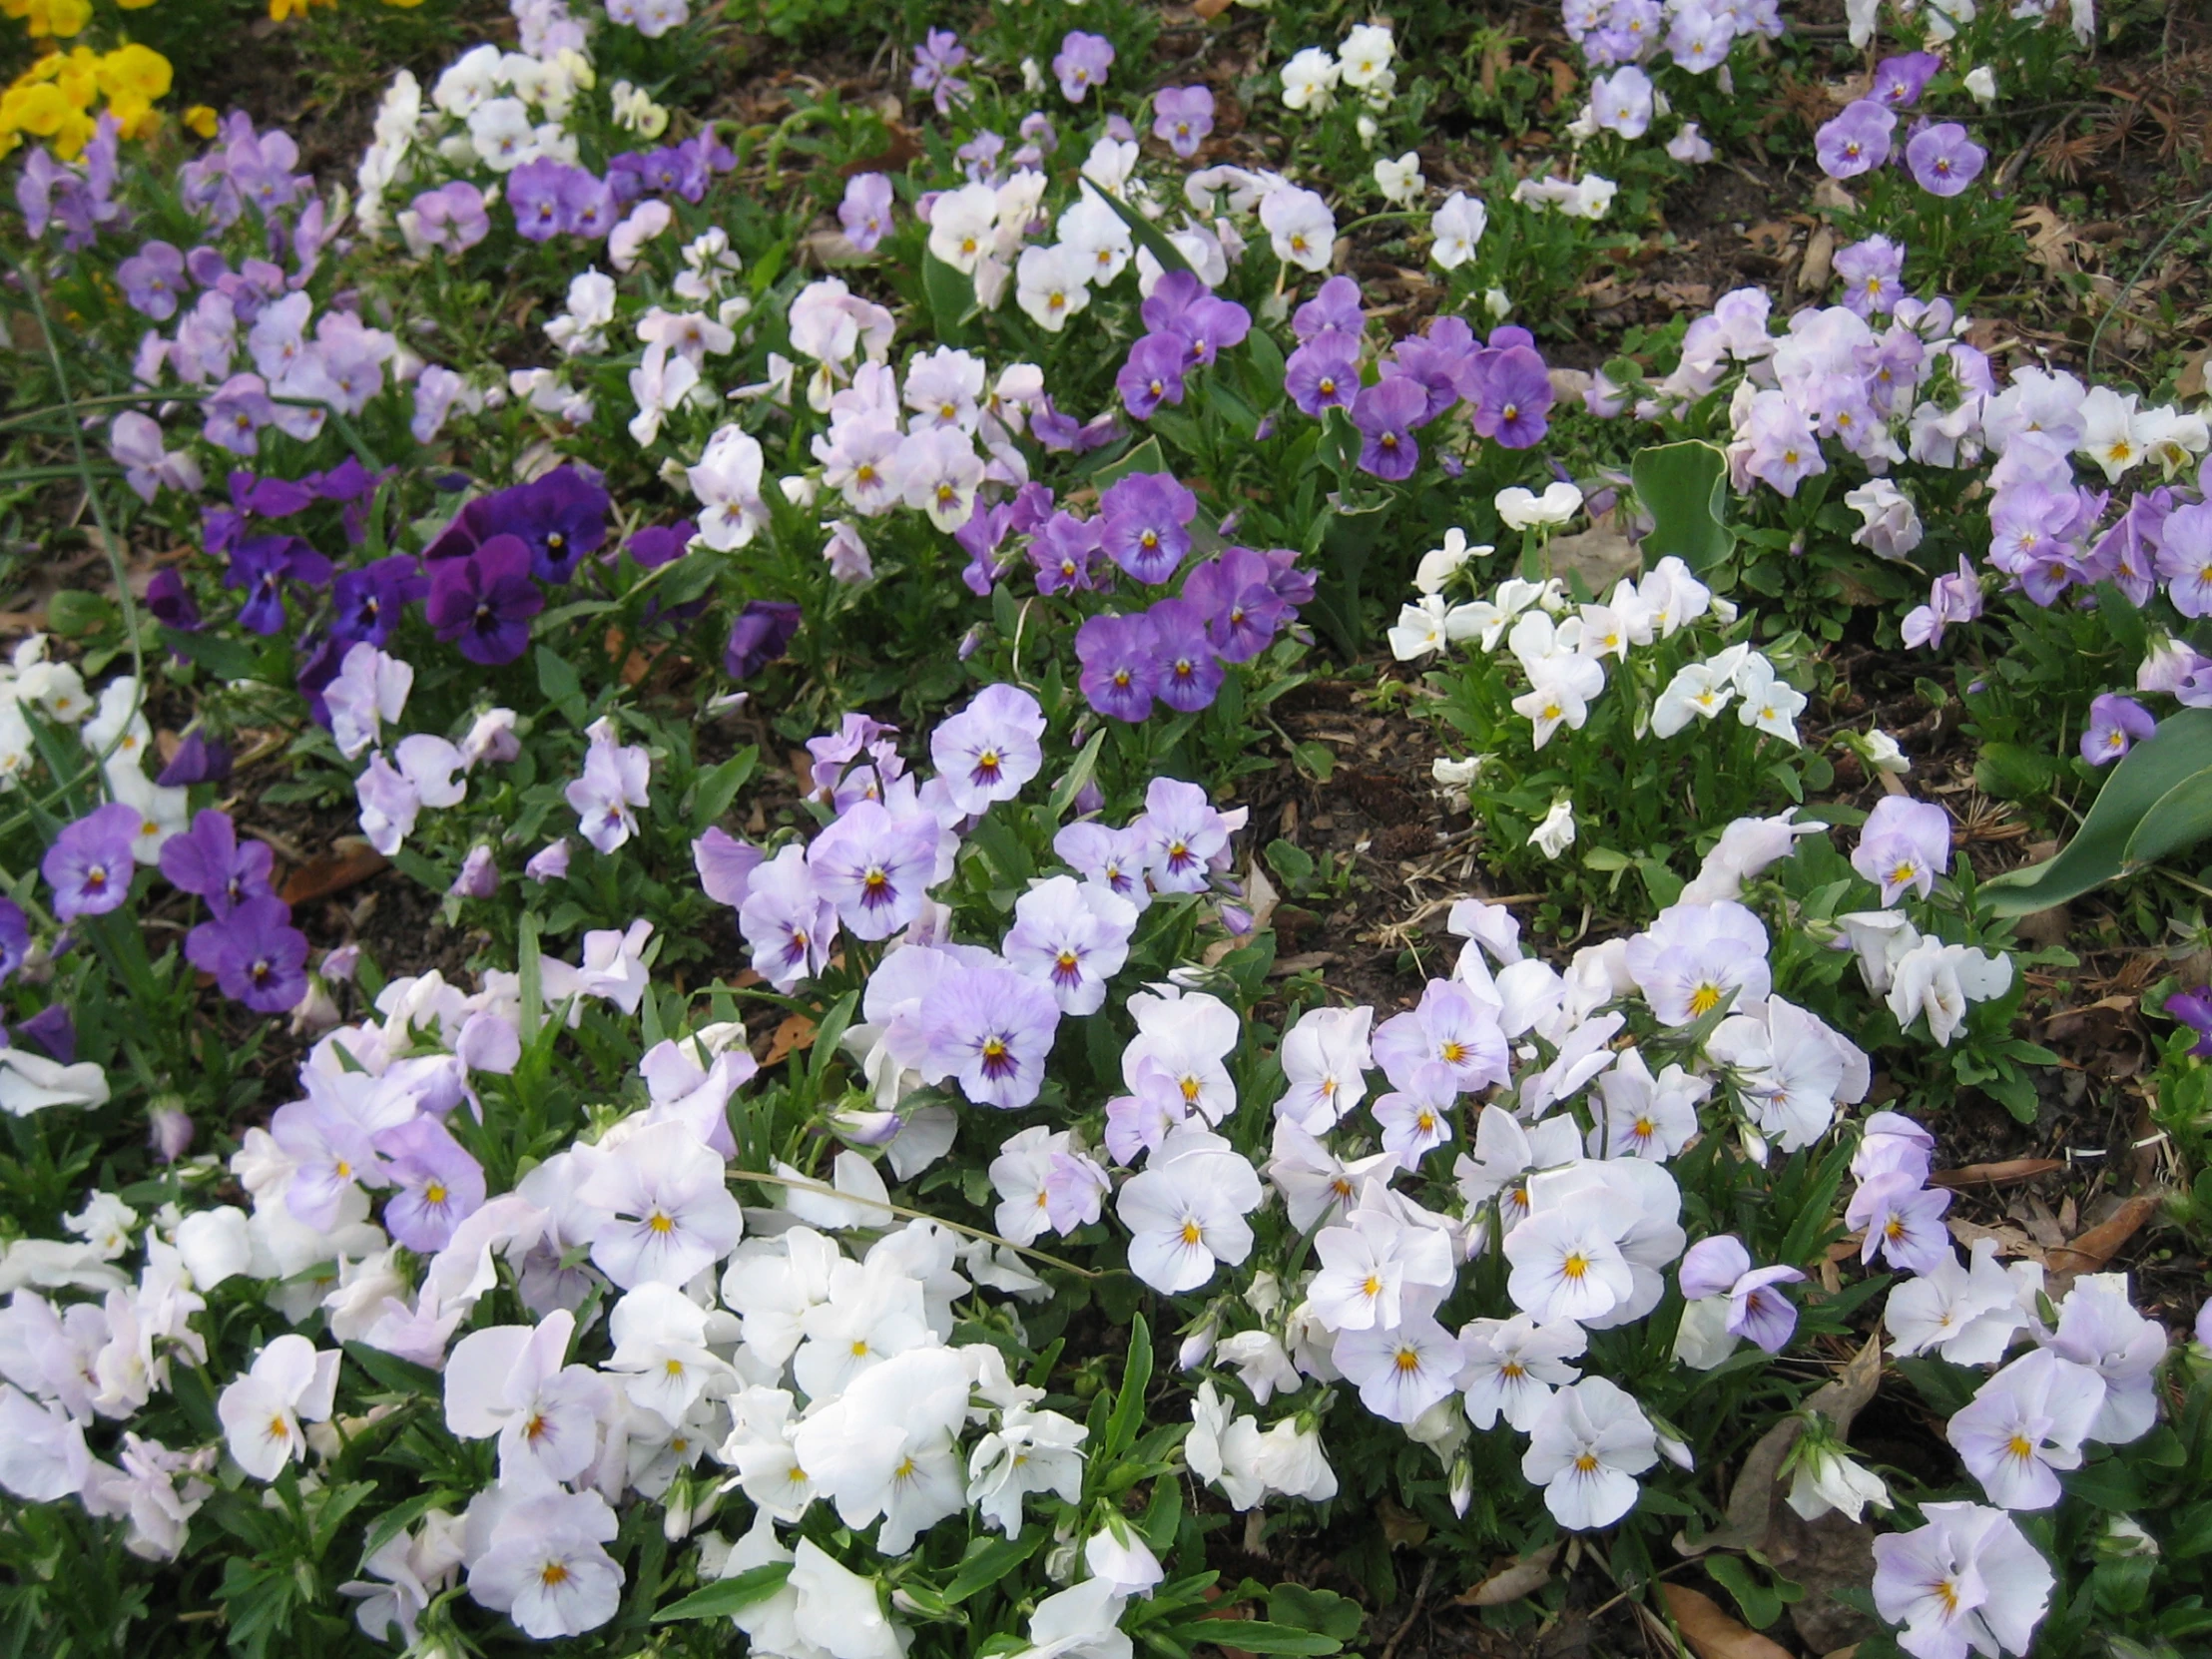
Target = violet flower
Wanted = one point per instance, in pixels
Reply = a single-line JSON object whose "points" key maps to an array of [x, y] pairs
{"points": [[1145, 521], [368, 603], [1324, 374], [1385, 414], [2194, 1009], [761, 635], [1153, 374], [1855, 142], [1243, 611], [171, 602], [262, 565], [1899, 81], [1120, 674], [484, 602], [1182, 117], [1513, 402], [1082, 63], [209, 861], [152, 278], [15, 938], [865, 212], [257, 956], [560, 518], [876, 866], [89, 864], [440, 1185], [1944, 160], [54, 1031], [197, 761], [939, 54], [992, 1029], [1189, 671], [2116, 722]]}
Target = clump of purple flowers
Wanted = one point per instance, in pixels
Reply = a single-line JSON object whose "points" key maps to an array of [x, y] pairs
{"points": [[1186, 326]]}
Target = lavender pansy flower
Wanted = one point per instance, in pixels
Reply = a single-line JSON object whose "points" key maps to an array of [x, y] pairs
{"points": [[1385, 414], [440, 1184], [1324, 374], [1120, 674], [1081, 64], [89, 864], [152, 280], [1944, 160], [211, 862], [865, 212], [1152, 375], [1855, 142], [1146, 519], [1182, 117], [2116, 722]]}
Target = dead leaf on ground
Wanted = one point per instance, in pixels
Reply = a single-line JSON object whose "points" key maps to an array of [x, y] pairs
{"points": [[352, 863], [1819, 262], [1401, 1525], [795, 1036], [2002, 1174], [1210, 9], [2189, 383], [1520, 1576], [2050, 237], [2093, 1250], [1599, 557], [2010, 1241], [1710, 1633]]}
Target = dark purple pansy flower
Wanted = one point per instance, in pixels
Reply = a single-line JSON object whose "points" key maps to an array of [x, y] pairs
{"points": [[262, 565], [1153, 374], [197, 761], [1385, 414], [1292, 585], [257, 956], [660, 544], [171, 602], [484, 602], [1174, 293], [347, 481], [209, 861], [761, 635], [560, 518], [53, 1030], [1120, 673], [1189, 671], [367, 604], [322, 655]]}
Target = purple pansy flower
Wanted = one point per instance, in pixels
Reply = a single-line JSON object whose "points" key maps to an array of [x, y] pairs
{"points": [[15, 938], [1513, 399], [762, 633], [1120, 674], [876, 866], [152, 280], [1855, 142], [53, 1030], [440, 1185], [171, 602], [1153, 374], [89, 864], [1324, 374], [198, 760], [1146, 519], [1182, 117], [1899, 81], [1336, 310], [2116, 722], [1081, 64], [1242, 609], [262, 565], [484, 602], [1189, 671], [209, 861], [865, 212], [1385, 414], [1944, 160], [939, 54], [257, 956], [2194, 1009], [991, 1028]]}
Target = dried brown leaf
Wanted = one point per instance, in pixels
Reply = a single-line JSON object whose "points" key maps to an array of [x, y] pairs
{"points": [[2004, 1174], [1710, 1633], [2093, 1250], [795, 1036], [1519, 1577]]}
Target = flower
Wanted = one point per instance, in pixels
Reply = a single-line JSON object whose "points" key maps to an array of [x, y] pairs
{"points": [[1567, 1266], [1513, 1366], [1120, 674], [1586, 1450], [1455, 229], [290, 1381], [672, 1215], [1385, 414], [1556, 833], [1074, 937], [1184, 1211], [1300, 227], [547, 1567], [1145, 519], [1082, 63], [2026, 1422], [1944, 160], [484, 602], [257, 956], [440, 1184], [1403, 1371], [90, 863], [991, 1028], [1525, 510], [1855, 142], [876, 866], [1967, 1580], [2115, 722], [1182, 117], [1904, 844], [1904, 1221]]}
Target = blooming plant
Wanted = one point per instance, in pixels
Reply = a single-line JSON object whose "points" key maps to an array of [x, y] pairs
{"points": [[643, 997]]}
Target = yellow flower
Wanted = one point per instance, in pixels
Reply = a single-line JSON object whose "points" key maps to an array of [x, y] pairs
{"points": [[37, 109], [201, 119], [134, 74], [278, 10], [404, 5], [134, 5]]}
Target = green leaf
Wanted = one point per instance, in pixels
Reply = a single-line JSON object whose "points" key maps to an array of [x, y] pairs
{"points": [[1257, 1636], [1071, 785], [715, 788], [2157, 799], [1146, 235], [1760, 1605], [1318, 758], [1684, 489], [228, 659], [1121, 1428], [951, 298], [1325, 1611], [399, 1375], [73, 613], [1292, 862], [394, 1521], [561, 685], [729, 1595], [1145, 458], [989, 1560]]}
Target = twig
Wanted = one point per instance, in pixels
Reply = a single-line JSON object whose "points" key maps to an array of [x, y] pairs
{"points": [[1420, 1594], [768, 1179]]}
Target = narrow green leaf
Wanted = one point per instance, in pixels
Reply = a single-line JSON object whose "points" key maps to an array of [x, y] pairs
{"points": [[1081, 773], [988, 1561], [1146, 235], [1121, 1428], [951, 298], [1258, 1636], [729, 1595]]}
